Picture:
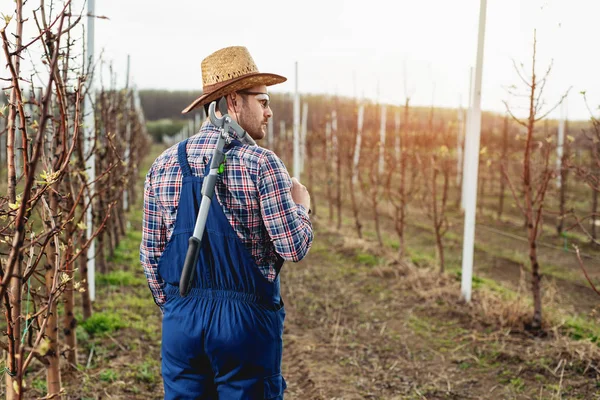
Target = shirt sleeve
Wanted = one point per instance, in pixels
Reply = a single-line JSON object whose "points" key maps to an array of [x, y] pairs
{"points": [[286, 222], [154, 237]]}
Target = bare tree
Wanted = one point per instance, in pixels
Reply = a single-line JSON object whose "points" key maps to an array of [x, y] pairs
{"points": [[564, 176], [436, 201], [355, 175], [536, 175], [52, 187], [503, 161]]}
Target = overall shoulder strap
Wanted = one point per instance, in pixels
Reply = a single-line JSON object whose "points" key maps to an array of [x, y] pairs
{"points": [[182, 158]]}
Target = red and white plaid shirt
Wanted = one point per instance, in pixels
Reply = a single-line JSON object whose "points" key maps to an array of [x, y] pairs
{"points": [[254, 191]]}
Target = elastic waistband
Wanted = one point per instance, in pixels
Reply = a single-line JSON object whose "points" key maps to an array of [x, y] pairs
{"points": [[171, 290]]}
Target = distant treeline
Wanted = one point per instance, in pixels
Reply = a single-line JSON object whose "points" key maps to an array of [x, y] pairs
{"points": [[165, 104], [160, 104], [162, 109]]}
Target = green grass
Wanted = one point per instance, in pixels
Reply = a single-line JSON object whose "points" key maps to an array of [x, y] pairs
{"points": [[421, 258], [39, 384], [580, 328], [120, 278], [517, 384], [128, 251], [103, 322], [576, 327], [108, 375], [367, 259], [147, 372]]}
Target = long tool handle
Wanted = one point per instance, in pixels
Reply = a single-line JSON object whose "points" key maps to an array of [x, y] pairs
{"points": [[193, 251], [187, 276], [208, 190]]}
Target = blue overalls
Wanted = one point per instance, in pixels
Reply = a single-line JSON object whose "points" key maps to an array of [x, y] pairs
{"points": [[224, 340]]}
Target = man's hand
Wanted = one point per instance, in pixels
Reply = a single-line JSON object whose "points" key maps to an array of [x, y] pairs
{"points": [[300, 194]]}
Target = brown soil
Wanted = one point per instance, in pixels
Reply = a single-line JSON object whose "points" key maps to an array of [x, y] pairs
{"points": [[391, 331]]}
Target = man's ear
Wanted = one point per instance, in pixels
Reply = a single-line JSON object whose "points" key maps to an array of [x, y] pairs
{"points": [[232, 102]]}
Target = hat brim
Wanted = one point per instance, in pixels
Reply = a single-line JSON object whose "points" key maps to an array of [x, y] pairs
{"points": [[233, 85]]}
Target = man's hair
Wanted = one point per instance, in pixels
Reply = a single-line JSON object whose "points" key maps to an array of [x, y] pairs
{"points": [[208, 105]]}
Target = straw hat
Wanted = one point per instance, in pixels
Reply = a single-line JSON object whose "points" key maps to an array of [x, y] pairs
{"points": [[228, 70]]}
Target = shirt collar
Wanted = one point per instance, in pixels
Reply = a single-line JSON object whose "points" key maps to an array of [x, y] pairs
{"points": [[209, 128]]}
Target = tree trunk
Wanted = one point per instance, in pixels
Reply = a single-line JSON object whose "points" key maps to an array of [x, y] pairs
{"points": [[439, 212], [354, 178], [355, 212], [310, 161], [338, 196], [536, 286], [536, 323], [482, 181], [101, 252], [403, 199], [564, 174], [86, 303], [504, 163], [51, 330], [69, 320], [13, 313], [436, 228], [14, 377], [594, 169], [328, 161]]}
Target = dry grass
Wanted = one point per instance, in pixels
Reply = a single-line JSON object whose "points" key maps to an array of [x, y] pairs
{"points": [[493, 307]]}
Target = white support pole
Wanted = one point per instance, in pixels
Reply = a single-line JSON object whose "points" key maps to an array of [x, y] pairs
{"points": [[382, 139], [472, 164], [334, 124], [356, 159], [560, 145], [138, 106], [303, 135], [90, 129], [459, 141], [296, 126], [190, 128], [466, 142]]}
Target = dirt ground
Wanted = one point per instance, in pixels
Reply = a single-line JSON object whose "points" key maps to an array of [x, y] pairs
{"points": [[359, 325], [363, 327]]}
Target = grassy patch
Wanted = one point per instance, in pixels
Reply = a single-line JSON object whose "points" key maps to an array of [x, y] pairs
{"points": [[366, 258], [392, 243], [108, 375], [103, 322], [517, 384], [147, 372], [128, 252], [579, 328], [420, 258], [39, 384], [120, 278]]}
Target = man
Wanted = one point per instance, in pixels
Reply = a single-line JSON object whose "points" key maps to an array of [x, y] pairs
{"points": [[224, 339]]}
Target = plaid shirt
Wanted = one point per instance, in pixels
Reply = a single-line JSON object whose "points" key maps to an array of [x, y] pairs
{"points": [[255, 192]]}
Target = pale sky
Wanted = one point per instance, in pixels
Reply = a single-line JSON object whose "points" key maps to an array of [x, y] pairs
{"points": [[337, 43]]}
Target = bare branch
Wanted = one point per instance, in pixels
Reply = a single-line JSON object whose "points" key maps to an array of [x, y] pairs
{"points": [[585, 271]]}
